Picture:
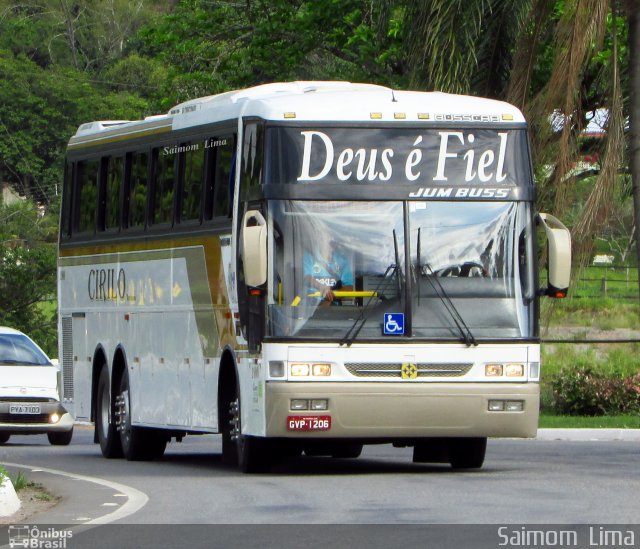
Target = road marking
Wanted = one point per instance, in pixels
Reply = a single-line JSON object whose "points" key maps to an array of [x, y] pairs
{"points": [[136, 499]]}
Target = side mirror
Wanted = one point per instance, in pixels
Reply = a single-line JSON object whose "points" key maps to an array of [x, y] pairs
{"points": [[254, 248], [559, 262]]}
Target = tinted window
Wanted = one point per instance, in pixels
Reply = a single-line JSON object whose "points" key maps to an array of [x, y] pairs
{"points": [[138, 189], [222, 166], [192, 183], [87, 195], [113, 185], [164, 171]]}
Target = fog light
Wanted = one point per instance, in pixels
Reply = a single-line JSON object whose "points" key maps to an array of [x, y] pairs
{"points": [[493, 370], [514, 370], [496, 405], [299, 404], [298, 369], [321, 369], [276, 368], [320, 404], [515, 405], [54, 418]]}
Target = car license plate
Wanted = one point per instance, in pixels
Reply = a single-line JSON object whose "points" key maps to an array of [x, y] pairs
{"points": [[24, 409], [308, 423]]}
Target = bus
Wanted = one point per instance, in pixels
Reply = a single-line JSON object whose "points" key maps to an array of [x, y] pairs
{"points": [[306, 268]]}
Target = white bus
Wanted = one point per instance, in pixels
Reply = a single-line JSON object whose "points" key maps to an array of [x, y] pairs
{"points": [[305, 267]]}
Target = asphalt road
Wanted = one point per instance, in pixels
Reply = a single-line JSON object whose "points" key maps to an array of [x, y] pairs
{"points": [[371, 501]]}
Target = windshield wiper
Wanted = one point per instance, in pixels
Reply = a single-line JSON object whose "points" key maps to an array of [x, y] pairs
{"points": [[442, 294], [359, 322]]}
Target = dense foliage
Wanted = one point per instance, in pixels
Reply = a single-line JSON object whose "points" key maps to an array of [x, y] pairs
{"points": [[67, 62], [585, 391]]}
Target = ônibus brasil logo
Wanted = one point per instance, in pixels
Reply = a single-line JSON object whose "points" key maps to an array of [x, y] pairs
{"points": [[38, 538]]}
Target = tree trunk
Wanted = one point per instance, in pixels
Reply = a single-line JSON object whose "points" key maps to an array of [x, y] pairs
{"points": [[633, 8]]}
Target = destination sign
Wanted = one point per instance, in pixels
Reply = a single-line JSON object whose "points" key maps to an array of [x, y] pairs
{"points": [[423, 158]]}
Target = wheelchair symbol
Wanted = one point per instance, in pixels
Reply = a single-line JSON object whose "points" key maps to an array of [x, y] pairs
{"points": [[393, 324]]}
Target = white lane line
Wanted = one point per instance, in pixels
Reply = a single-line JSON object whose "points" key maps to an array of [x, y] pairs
{"points": [[136, 499]]}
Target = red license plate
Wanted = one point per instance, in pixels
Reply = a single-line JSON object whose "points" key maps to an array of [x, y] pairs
{"points": [[309, 423]]}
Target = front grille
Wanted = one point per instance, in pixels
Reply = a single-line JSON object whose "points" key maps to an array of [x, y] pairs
{"points": [[24, 418], [394, 369]]}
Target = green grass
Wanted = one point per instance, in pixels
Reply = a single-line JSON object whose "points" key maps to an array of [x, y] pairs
{"points": [[20, 482], [548, 421]]}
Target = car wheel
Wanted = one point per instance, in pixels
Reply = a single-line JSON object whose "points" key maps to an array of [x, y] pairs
{"points": [[4, 437], [60, 439]]}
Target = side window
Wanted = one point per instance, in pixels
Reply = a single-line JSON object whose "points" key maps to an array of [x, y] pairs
{"points": [[86, 195], [113, 184], [252, 159], [164, 175], [137, 191], [192, 182], [67, 189], [225, 178], [219, 196]]}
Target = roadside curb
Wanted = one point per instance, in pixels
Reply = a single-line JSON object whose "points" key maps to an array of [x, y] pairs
{"points": [[9, 500], [92, 508], [589, 434]]}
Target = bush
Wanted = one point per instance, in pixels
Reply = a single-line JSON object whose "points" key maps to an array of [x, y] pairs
{"points": [[583, 391]]}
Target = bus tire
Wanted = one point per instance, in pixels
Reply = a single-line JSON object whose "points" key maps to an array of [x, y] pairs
{"points": [[254, 453], [347, 451], [108, 437], [467, 453], [138, 443]]}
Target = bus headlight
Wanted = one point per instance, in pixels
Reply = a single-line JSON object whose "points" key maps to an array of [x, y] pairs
{"points": [[514, 370], [299, 369], [507, 370], [321, 369], [493, 370]]}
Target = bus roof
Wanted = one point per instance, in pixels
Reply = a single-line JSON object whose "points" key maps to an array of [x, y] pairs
{"points": [[312, 101]]}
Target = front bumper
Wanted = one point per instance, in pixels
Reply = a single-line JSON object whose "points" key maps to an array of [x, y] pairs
{"points": [[34, 423], [406, 410]]}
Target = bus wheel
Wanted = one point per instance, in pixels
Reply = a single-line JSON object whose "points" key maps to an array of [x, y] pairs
{"points": [[254, 453], [138, 443], [347, 451], [467, 453], [107, 432]]}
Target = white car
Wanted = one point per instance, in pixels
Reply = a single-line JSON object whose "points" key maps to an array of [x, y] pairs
{"points": [[29, 397]]}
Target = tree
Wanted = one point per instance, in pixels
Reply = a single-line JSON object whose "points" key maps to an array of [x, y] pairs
{"points": [[634, 111], [211, 48], [560, 58], [28, 271]]}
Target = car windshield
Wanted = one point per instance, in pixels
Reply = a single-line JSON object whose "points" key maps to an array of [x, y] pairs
{"points": [[20, 350], [340, 269]]}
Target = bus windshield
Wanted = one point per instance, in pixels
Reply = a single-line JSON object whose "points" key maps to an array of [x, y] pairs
{"points": [[339, 268]]}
